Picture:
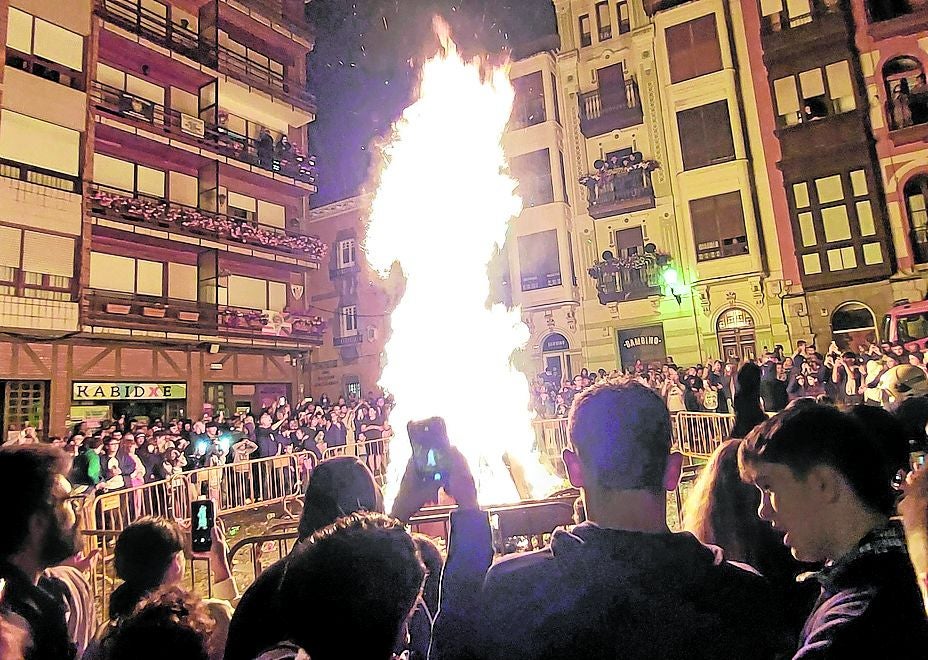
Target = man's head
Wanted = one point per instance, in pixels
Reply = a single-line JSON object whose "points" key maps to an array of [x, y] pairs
{"points": [[36, 518], [363, 572], [620, 439], [265, 421], [338, 486], [817, 472]]}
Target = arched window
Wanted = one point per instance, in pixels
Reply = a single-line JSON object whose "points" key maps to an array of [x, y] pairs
{"points": [[853, 326], [906, 92], [916, 205]]}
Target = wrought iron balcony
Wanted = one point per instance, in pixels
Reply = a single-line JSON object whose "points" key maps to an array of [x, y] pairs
{"points": [[39, 175], [269, 323], [621, 189], [620, 279], [170, 216], [601, 113], [135, 18], [281, 158]]}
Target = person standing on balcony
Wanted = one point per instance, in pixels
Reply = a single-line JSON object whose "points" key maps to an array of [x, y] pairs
{"points": [[264, 149]]}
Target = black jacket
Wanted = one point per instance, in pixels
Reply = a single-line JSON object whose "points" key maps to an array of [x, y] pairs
{"points": [[42, 612]]}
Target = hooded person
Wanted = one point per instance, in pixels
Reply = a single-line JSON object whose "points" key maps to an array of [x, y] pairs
{"points": [[337, 487]]}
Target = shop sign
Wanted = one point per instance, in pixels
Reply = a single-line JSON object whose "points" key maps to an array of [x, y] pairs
{"points": [[555, 342], [645, 344], [93, 415], [644, 340], [128, 391]]}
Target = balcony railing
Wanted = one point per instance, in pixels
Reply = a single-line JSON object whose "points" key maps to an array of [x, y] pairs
{"points": [[621, 189], [892, 19], [601, 113], [269, 323], [145, 23], [784, 20], [43, 68], [348, 340], [39, 175], [135, 311], [281, 158], [628, 278], [170, 216]]}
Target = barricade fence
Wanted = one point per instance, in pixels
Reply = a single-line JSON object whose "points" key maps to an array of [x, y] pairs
{"points": [[232, 487], [372, 453]]}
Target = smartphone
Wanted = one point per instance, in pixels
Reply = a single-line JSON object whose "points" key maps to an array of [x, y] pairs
{"points": [[202, 521], [917, 459], [430, 445]]}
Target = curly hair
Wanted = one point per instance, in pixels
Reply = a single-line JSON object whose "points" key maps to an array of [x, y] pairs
{"points": [[171, 623]]}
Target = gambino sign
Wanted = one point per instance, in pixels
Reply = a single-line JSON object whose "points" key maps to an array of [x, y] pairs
{"points": [[128, 391]]}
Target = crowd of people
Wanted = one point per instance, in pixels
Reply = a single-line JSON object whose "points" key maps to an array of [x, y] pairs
{"points": [[806, 537], [844, 378], [122, 453]]}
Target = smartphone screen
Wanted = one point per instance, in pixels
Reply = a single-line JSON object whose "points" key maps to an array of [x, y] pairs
{"points": [[202, 520], [429, 440], [917, 459]]}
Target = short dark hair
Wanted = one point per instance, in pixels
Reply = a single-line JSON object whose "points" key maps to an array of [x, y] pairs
{"points": [[27, 476], [815, 435], [362, 573], [172, 623], [621, 432], [338, 486], [144, 550]]}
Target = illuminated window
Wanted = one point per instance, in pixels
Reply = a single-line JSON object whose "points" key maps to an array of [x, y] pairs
{"points": [[529, 106], [533, 172], [36, 265], [814, 94], [718, 226], [346, 253], [44, 49], [539, 262], [348, 321], [39, 143], [693, 49]]}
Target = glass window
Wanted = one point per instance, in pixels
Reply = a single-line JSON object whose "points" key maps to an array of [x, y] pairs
{"points": [[539, 261], [586, 31], [705, 135], [807, 229], [621, 11], [42, 144], [718, 226], [811, 264], [346, 253], [801, 194], [836, 224], [693, 48], [829, 189], [533, 172], [348, 321], [603, 21], [528, 107]]}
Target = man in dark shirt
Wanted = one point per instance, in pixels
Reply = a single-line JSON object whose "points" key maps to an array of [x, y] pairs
{"points": [[620, 585], [39, 530], [824, 483]]}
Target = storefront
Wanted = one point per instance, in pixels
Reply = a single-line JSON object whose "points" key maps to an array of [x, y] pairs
{"points": [[233, 398], [555, 353], [94, 401], [645, 344], [25, 403]]}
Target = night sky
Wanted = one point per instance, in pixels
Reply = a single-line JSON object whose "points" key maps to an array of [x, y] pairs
{"points": [[364, 68]]}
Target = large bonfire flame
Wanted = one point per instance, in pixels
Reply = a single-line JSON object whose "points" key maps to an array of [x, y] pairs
{"points": [[441, 209]]}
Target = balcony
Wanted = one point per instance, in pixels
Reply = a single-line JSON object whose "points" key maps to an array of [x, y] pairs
{"points": [[834, 137], [898, 19], [267, 153], [601, 113], [161, 214], [908, 116], [622, 189], [269, 323], [822, 27], [134, 18], [40, 176], [138, 312], [635, 277], [43, 68], [348, 340]]}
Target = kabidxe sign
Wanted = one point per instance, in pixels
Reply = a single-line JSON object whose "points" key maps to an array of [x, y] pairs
{"points": [[131, 391]]}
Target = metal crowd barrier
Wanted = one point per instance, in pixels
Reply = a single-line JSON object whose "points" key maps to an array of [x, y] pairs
{"points": [[700, 433], [372, 453], [232, 486], [551, 441]]}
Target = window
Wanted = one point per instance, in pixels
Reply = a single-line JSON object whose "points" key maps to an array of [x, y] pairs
{"points": [[131, 85], [603, 21], [36, 265], [539, 263], [348, 321], [705, 135], [718, 226], [240, 206], [253, 293], [836, 229], [39, 143], [906, 92], [44, 49], [586, 32], [557, 105], [129, 177], [621, 12], [814, 94], [346, 253], [253, 63], [110, 272], [533, 172], [693, 49], [529, 106], [916, 194]]}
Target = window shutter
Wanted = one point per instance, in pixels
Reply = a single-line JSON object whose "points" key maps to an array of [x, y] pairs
{"points": [[812, 83], [10, 244], [52, 255], [787, 95]]}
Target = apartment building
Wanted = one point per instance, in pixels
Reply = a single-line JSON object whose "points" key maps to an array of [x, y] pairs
{"points": [[153, 202]]}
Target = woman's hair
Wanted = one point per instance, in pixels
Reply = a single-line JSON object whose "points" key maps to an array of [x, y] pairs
{"points": [[143, 553], [171, 623], [434, 561], [748, 412], [361, 576], [721, 510], [338, 486]]}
